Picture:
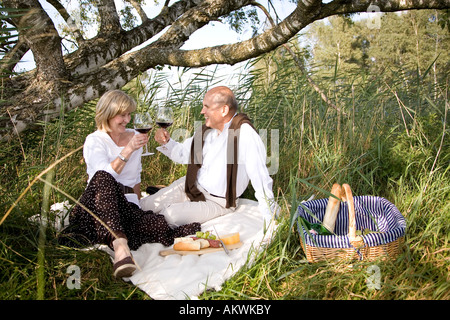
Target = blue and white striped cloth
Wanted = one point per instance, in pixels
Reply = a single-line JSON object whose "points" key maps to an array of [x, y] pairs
{"points": [[374, 213]]}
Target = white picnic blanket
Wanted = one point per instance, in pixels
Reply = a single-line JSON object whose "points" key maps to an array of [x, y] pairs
{"points": [[177, 277], [185, 277]]}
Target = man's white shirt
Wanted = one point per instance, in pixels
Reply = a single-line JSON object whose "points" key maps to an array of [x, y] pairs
{"points": [[212, 174]]}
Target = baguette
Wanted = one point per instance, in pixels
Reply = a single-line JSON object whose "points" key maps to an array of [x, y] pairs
{"points": [[203, 243], [190, 244], [187, 246], [183, 239], [332, 209], [351, 208]]}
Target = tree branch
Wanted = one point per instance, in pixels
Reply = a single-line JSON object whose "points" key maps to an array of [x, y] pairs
{"points": [[40, 35], [109, 19], [241, 51], [354, 6], [70, 22], [101, 50], [10, 60], [195, 18], [302, 16], [137, 6]]}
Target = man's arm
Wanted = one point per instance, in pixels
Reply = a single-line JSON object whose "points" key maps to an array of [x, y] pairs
{"points": [[176, 151], [254, 158]]}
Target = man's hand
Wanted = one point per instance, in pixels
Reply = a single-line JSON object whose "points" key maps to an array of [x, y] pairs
{"points": [[162, 136]]}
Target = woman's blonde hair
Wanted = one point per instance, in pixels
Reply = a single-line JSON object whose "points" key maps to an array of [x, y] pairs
{"points": [[112, 103]]}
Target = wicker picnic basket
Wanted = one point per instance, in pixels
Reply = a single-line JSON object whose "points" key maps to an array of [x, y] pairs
{"points": [[369, 213]]}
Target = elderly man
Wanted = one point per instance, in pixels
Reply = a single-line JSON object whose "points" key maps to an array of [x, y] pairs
{"points": [[222, 158]]}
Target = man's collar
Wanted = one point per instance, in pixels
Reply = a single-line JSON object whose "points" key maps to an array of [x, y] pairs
{"points": [[227, 125]]}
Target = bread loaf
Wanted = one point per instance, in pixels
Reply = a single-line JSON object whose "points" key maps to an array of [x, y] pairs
{"points": [[190, 244], [183, 239], [195, 244], [187, 246], [203, 243], [332, 209], [351, 208]]}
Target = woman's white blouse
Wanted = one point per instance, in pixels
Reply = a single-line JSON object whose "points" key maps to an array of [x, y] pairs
{"points": [[100, 150]]}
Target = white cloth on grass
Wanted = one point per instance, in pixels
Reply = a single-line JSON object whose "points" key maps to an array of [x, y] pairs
{"points": [[186, 277], [177, 277]]}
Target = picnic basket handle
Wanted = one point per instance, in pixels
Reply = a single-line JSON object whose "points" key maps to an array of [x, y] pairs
{"points": [[347, 196]]}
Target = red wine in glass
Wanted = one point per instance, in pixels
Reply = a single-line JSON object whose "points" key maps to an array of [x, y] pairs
{"points": [[143, 130], [164, 118], [163, 124], [143, 123]]}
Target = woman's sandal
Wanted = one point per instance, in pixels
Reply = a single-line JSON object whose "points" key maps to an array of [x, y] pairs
{"points": [[124, 268]]}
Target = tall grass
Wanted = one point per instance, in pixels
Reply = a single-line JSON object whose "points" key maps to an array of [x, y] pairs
{"points": [[382, 142], [386, 139]]}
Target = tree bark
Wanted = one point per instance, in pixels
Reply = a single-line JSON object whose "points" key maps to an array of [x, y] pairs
{"points": [[39, 33]]}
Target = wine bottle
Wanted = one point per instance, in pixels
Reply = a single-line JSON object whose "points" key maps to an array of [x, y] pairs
{"points": [[317, 227]]}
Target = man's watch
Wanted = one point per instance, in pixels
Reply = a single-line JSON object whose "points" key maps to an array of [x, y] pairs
{"points": [[121, 157]]}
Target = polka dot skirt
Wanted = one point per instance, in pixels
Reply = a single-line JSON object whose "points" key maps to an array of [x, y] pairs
{"points": [[104, 197]]}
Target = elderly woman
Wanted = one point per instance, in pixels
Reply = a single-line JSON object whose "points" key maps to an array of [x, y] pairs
{"points": [[113, 158]]}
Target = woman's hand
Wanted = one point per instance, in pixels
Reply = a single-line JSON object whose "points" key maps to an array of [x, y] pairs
{"points": [[162, 136], [137, 141]]}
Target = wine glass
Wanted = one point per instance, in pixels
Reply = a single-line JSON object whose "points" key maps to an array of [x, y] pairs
{"points": [[143, 123], [164, 117]]}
